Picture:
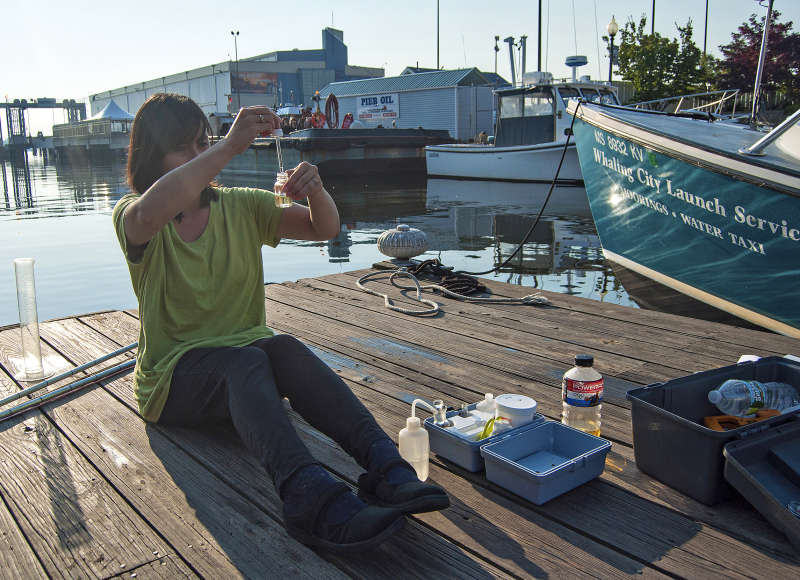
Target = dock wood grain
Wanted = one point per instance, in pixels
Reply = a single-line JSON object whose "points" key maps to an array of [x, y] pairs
{"points": [[90, 490]]}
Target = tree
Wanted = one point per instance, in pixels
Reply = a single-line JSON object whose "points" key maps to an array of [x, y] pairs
{"points": [[659, 67], [737, 68]]}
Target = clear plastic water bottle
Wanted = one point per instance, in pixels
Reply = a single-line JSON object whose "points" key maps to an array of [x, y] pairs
{"points": [[582, 395], [745, 398]]}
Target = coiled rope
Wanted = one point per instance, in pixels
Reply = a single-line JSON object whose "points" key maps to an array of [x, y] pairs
{"points": [[447, 287]]}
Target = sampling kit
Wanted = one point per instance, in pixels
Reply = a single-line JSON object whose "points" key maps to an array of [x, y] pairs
{"points": [[520, 450]]}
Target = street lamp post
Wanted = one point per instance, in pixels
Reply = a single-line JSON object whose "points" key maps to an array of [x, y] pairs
{"points": [[612, 29], [496, 50], [235, 34]]}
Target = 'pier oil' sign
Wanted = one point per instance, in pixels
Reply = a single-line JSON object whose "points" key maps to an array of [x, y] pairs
{"points": [[374, 110]]}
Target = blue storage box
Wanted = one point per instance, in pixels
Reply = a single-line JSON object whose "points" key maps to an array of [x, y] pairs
{"points": [[462, 451], [545, 461]]}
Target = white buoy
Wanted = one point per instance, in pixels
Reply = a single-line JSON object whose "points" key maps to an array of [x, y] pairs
{"points": [[32, 369]]}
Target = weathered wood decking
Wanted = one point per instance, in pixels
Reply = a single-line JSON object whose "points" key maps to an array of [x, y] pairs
{"points": [[89, 490]]}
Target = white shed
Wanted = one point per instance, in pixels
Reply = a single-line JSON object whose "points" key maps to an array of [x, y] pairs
{"points": [[459, 101]]}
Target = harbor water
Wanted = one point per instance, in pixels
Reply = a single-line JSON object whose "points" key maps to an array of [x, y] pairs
{"points": [[60, 215]]}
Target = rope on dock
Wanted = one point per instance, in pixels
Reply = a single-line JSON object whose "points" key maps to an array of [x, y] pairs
{"points": [[536, 299]]}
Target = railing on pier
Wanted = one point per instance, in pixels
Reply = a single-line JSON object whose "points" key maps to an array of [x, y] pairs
{"points": [[719, 103]]}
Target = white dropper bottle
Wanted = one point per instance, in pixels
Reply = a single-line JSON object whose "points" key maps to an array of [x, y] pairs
{"points": [[413, 442]]}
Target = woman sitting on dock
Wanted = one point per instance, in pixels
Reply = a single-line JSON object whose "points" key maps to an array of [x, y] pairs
{"points": [[205, 354]]}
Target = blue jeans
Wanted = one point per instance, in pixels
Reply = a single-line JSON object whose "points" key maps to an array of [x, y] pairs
{"points": [[246, 385]]}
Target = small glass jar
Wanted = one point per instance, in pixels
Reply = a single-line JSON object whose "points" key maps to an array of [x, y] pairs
{"points": [[281, 200]]}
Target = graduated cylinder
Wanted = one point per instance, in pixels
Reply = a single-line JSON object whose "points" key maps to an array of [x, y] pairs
{"points": [[28, 319]]}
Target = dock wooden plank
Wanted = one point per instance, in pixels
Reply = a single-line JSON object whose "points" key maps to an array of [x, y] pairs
{"points": [[534, 376], [736, 517], [540, 548], [216, 531], [397, 382], [225, 457], [683, 335], [391, 413], [76, 523], [740, 337], [548, 322], [167, 567], [621, 524], [17, 558]]}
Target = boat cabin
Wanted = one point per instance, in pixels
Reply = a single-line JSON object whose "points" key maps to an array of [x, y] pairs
{"points": [[537, 113]]}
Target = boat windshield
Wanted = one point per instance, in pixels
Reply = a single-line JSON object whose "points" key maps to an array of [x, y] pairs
{"points": [[535, 103], [569, 94], [591, 95], [608, 97]]}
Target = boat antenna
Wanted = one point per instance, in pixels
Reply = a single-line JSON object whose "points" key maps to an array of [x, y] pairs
{"points": [[547, 54], [574, 27], [596, 43], [759, 71]]}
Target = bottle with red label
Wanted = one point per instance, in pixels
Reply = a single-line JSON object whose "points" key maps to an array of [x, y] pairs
{"points": [[582, 395]]}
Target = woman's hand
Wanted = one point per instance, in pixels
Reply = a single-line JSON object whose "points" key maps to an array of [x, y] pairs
{"points": [[304, 181], [251, 122]]}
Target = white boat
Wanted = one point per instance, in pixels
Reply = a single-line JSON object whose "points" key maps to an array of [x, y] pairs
{"points": [[532, 127]]}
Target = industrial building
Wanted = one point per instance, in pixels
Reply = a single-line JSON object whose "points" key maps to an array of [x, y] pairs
{"points": [[460, 101], [274, 78]]}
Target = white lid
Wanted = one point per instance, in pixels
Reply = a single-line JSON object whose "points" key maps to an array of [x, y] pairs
{"points": [[488, 397], [413, 423], [520, 402]]}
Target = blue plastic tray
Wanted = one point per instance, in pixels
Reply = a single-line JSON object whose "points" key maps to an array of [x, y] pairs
{"points": [[545, 461], [462, 451]]}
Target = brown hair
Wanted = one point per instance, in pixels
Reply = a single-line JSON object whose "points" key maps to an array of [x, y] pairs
{"points": [[163, 123]]}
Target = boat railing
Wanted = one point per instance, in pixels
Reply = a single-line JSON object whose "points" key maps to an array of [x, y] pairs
{"points": [[757, 148], [715, 102]]}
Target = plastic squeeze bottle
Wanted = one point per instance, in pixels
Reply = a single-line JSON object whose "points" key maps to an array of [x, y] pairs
{"points": [[582, 395], [743, 398], [487, 407], [414, 446]]}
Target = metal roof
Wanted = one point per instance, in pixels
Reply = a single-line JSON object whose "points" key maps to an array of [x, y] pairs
{"points": [[426, 80]]}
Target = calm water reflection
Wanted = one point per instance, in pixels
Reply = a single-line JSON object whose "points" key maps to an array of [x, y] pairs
{"points": [[60, 215]]}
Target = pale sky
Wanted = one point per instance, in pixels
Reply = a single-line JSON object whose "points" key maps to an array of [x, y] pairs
{"points": [[72, 49]]}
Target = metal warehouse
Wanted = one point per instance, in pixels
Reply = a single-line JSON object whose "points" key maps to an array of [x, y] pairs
{"points": [[285, 76], [460, 101]]}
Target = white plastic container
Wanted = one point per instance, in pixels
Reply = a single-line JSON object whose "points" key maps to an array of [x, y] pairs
{"points": [[487, 407], [582, 396], [518, 409], [415, 447]]}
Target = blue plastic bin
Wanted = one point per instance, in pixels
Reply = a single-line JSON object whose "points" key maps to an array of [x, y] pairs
{"points": [[545, 461], [462, 451]]}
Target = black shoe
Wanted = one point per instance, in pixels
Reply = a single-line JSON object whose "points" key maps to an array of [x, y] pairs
{"points": [[366, 529], [413, 497]]}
